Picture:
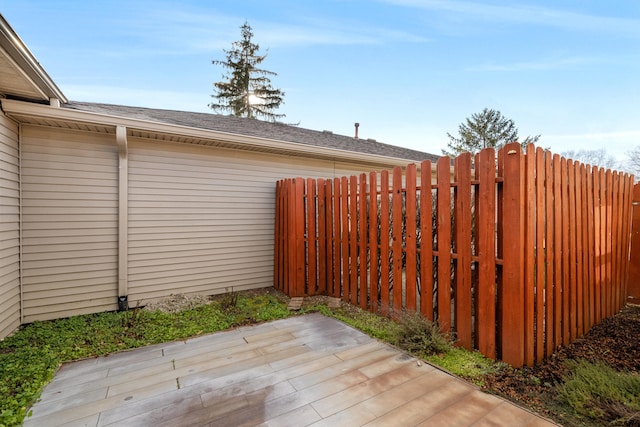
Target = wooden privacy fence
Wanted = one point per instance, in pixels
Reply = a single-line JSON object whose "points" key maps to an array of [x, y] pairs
{"points": [[518, 255], [633, 293]]}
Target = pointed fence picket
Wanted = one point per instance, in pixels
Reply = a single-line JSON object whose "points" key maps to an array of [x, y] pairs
{"points": [[514, 254], [633, 278]]}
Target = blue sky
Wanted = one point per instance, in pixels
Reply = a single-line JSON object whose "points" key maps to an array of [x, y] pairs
{"points": [[408, 71]]}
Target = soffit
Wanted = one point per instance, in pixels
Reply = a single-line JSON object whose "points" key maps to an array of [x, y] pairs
{"points": [[61, 124], [21, 75], [13, 81]]}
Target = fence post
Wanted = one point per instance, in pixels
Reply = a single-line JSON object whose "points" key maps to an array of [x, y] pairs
{"points": [[615, 249], [627, 189], [373, 242], [411, 238], [486, 249], [443, 173], [353, 237], [329, 214], [396, 241], [278, 232], [344, 236], [426, 241], [462, 284], [384, 242], [298, 289], [511, 289], [362, 258], [529, 246], [634, 260], [541, 239], [289, 254], [591, 174], [322, 238], [628, 212], [311, 237], [609, 249], [337, 236]]}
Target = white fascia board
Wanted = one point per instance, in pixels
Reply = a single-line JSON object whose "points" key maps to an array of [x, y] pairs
{"points": [[27, 64], [20, 108]]}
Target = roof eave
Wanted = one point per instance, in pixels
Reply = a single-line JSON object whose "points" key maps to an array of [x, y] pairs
{"points": [[20, 110], [20, 53]]}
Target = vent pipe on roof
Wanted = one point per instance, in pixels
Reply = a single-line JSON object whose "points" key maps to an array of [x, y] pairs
{"points": [[357, 125]]}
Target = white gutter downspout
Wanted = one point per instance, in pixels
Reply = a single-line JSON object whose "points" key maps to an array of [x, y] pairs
{"points": [[123, 218], [20, 231]]}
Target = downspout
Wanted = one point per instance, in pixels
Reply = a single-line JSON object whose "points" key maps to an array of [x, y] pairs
{"points": [[20, 232], [123, 218]]}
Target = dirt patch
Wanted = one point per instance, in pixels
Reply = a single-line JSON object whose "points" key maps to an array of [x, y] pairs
{"points": [[615, 342], [178, 302], [175, 303], [315, 300]]}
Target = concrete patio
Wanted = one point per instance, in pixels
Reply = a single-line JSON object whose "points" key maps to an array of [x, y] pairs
{"points": [[305, 370]]}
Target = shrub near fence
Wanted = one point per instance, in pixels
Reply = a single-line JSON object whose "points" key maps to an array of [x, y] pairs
{"points": [[518, 255]]}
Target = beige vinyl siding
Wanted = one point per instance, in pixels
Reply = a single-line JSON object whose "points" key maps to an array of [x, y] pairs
{"points": [[9, 227], [201, 219], [70, 222]]}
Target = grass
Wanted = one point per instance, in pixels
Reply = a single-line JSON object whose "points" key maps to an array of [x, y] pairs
{"points": [[373, 325], [470, 365], [30, 357], [419, 337]]}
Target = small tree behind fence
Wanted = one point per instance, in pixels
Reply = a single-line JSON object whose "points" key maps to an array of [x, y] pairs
{"points": [[517, 255]]}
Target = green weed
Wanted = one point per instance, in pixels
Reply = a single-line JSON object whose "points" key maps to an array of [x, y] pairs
{"points": [[370, 323], [598, 392], [30, 357], [419, 336], [470, 365]]}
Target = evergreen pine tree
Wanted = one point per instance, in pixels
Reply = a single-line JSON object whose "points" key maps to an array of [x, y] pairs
{"points": [[484, 130], [246, 90]]}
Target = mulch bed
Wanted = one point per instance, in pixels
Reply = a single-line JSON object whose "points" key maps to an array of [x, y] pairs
{"points": [[615, 342]]}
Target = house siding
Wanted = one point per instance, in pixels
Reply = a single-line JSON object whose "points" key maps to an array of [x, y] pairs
{"points": [[70, 222], [201, 220], [9, 227]]}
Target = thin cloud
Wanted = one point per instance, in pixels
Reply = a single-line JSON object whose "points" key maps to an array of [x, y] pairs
{"points": [[187, 32], [629, 134], [524, 14], [325, 33], [616, 143], [174, 31], [151, 98], [335, 31], [542, 65]]}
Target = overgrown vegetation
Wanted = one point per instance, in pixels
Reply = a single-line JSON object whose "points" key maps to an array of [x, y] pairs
{"points": [[596, 391], [590, 393], [30, 357], [419, 337]]}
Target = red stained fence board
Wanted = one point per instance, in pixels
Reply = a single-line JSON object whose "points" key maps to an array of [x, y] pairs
{"points": [[529, 253]]}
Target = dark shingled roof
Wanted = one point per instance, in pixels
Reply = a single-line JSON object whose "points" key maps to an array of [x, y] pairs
{"points": [[256, 128]]}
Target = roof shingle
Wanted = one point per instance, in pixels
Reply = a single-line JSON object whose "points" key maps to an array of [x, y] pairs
{"points": [[255, 128]]}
